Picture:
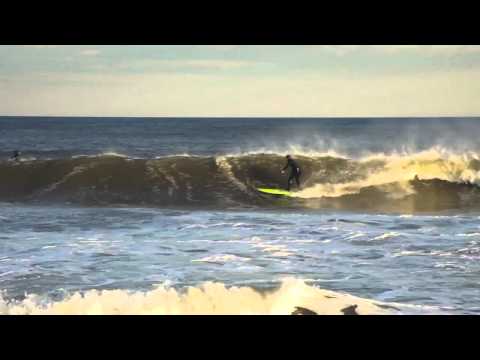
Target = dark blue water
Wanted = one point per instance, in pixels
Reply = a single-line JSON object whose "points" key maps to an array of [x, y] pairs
{"points": [[60, 137]]}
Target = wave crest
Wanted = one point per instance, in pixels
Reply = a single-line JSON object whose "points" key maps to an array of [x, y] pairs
{"points": [[378, 181]]}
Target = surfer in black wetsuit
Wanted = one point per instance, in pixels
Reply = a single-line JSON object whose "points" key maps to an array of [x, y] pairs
{"points": [[294, 172], [16, 156]]}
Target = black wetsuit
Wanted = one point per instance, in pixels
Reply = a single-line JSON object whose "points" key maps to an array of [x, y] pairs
{"points": [[294, 172], [16, 156]]}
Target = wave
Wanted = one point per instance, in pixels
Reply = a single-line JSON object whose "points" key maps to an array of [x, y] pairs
{"points": [[293, 296], [425, 181]]}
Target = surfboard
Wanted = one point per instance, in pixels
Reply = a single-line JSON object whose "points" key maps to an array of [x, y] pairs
{"points": [[275, 192]]}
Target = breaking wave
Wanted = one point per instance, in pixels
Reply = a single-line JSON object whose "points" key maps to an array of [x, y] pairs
{"points": [[293, 296], [386, 182]]}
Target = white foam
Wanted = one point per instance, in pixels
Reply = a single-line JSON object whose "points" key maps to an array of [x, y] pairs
{"points": [[241, 224], [106, 153], [409, 253], [399, 169], [195, 226], [113, 153], [307, 241], [469, 235], [184, 155], [293, 150], [449, 265], [441, 253], [6, 273], [356, 235], [221, 258], [281, 254], [386, 236], [208, 298]]}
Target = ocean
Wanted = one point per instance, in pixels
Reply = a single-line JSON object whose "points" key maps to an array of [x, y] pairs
{"points": [[162, 216]]}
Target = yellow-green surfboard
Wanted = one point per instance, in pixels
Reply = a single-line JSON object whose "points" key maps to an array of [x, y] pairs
{"points": [[275, 192]]}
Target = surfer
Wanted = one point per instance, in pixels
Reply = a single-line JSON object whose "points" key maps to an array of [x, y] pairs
{"points": [[16, 156], [294, 172]]}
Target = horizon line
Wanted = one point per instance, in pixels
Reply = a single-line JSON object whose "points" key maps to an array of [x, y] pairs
{"points": [[243, 117]]}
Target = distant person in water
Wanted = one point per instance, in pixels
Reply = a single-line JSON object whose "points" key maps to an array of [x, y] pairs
{"points": [[16, 156], [294, 172]]}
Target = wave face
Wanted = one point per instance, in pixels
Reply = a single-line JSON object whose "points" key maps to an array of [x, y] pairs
{"points": [[376, 182]]}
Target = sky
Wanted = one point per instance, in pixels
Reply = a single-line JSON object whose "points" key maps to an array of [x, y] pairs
{"points": [[240, 80]]}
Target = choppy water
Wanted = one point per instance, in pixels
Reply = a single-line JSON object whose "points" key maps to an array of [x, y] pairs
{"points": [[418, 260], [108, 204]]}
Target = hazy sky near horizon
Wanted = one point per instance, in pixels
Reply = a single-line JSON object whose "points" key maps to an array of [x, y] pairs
{"points": [[240, 80]]}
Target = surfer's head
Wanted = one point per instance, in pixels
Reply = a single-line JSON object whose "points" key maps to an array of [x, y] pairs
{"points": [[288, 157]]}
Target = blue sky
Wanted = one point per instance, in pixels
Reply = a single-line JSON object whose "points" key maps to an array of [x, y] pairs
{"points": [[240, 80]]}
